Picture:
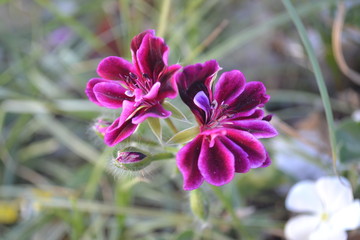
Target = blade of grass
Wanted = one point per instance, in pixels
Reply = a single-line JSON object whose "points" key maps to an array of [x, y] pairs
{"points": [[183, 28], [253, 32], [125, 9], [69, 139], [318, 76], [163, 20], [97, 173]]}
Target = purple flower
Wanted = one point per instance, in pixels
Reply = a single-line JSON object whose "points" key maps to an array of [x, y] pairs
{"points": [[230, 122], [138, 87]]}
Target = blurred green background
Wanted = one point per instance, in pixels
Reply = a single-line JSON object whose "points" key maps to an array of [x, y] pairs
{"points": [[55, 178]]}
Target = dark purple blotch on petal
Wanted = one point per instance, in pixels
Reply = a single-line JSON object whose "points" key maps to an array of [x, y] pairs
{"points": [[251, 145], [151, 56], [258, 128], [242, 163], [216, 163], [253, 96], [187, 162], [229, 87], [194, 79]]}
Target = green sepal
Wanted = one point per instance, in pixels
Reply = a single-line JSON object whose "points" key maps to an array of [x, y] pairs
{"points": [[155, 127], [175, 112], [184, 136]]}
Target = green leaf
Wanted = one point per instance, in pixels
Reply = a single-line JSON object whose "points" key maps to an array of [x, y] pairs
{"points": [[184, 136], [348, 137], [175, 112], [155, 127]]}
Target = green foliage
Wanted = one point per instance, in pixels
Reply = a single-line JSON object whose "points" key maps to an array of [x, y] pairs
{"points": [[348, 136]]}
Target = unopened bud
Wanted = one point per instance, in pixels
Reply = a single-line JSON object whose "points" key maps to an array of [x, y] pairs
{"points": [[199, 204], [100, 127], [132, 161]]}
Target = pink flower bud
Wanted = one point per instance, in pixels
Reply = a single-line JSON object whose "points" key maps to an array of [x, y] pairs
{"points": [[132, 161]]}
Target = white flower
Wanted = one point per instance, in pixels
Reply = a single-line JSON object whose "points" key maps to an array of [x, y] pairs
{"points": [[329, 210]]}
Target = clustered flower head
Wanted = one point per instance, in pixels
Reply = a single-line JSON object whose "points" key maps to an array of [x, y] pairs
{"points": [[230, 117], [327, 208], [139, 87], [231, 122]]}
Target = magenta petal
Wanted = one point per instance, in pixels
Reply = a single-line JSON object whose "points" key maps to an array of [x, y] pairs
{"points": [[187, 162], [90, 89], [253, 96], [258, 128], [118, 131], [197, 77], [129, 110], [152, 94], [267, 161], [110, 94], [156, 111], [151, 56], [252, 146], [114, 68], [216, 163], [137, 40], [193, 79], [230, 86], [168, 85], [242, 163], [122, 127]]}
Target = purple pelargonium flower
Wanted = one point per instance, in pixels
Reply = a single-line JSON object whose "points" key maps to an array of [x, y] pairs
{"points": [[230, 122], [139, 87]]}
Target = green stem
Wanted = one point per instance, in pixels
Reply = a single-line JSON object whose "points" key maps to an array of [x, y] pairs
{"points": [[239, 228], [318, 75]]}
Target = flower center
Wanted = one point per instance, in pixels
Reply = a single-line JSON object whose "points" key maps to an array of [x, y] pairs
{"points": [[214, 113], [133, 82], [324, 217], [217, 114]]}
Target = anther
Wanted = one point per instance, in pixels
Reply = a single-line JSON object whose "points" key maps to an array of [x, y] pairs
{"points": [[145, 75], [132, 75], [214, 104]]}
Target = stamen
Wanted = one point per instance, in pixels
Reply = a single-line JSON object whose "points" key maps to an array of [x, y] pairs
{"points": [[224, 106], [214, 104], [133, 76], [145, 75]]}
